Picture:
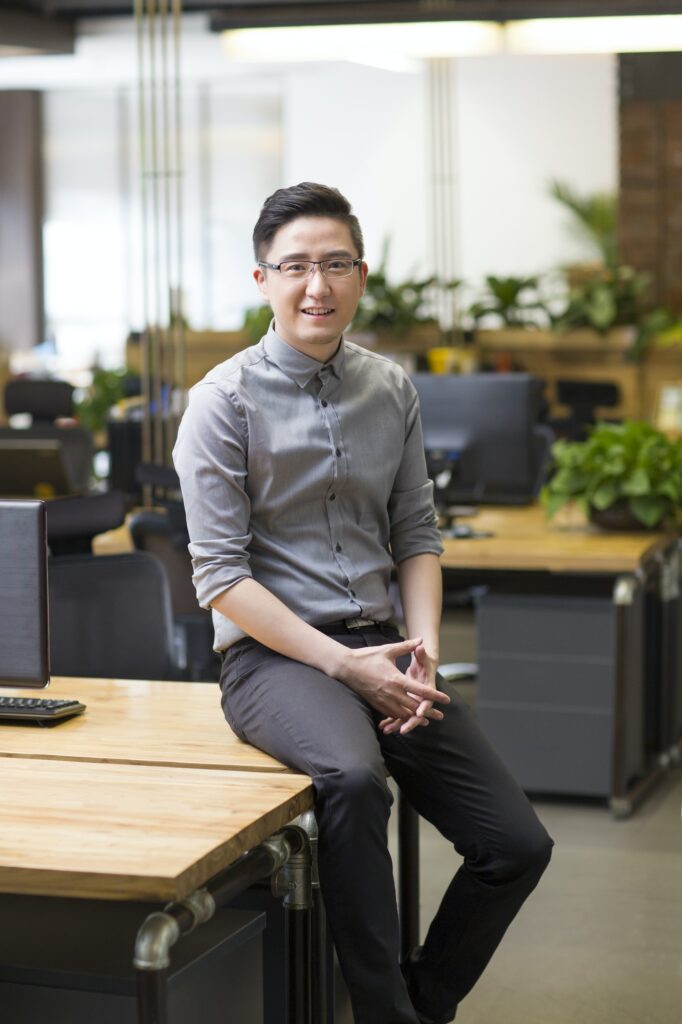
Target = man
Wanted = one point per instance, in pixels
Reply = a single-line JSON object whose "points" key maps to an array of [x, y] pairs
{"points": [[304, 478]]}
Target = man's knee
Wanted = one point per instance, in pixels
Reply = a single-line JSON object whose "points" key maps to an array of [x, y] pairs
{"points": [[525, 854], [360, 787]]}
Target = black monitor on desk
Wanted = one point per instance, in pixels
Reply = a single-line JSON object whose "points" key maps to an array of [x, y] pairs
{"points": [[24, 646], [33, 467], [482, 437]]}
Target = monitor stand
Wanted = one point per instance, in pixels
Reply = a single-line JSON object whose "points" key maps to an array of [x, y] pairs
{"points": [[451, 529]]}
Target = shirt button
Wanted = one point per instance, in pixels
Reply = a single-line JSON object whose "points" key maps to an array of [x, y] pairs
{"points": [[332, 497], [323, 404], [338, 547], [338, 453]]}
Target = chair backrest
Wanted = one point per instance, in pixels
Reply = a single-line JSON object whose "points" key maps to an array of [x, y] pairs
{"points": [[156, 531], [73, 521], [110, 616], [45, 400], [583, 397]]}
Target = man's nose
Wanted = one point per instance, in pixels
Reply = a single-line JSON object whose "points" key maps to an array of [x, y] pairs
{"points": [[317, 282]]}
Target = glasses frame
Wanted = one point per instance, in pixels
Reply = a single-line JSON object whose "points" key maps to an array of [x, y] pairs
{"points": [[313, 263]]}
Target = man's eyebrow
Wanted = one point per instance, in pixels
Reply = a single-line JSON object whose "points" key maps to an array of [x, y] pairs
{"points": [[327, 256]]}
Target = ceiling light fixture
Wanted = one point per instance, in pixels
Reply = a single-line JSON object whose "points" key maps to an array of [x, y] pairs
{"points": [[363, 42], [626, 34], [395, 44]]}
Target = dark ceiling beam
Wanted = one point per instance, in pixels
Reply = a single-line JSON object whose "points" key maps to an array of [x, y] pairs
{"points": [[246, 13], [21, 30], [270, 13]]}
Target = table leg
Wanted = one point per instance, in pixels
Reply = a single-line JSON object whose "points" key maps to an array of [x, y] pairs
{"points": [[625, 795], [285, 857], [408, 875]]}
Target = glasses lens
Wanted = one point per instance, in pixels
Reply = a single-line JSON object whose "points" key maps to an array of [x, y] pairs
{"points": [[337, 268], [296, 268]]}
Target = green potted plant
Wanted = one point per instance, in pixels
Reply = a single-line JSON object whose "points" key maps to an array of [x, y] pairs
{"points": [[594, 220], [256, 322], [106, 389], [610, 299], [624, 476], [511, 301], [399, 310]]}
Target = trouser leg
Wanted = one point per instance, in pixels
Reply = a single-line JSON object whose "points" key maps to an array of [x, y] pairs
{"points": [[317, 725], [455, 780]]}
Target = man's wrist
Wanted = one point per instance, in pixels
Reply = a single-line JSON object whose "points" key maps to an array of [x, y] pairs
{"points": [[334, 659]]}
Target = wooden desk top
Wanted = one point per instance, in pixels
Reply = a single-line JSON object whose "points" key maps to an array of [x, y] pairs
{"points": [[117, 831], [137, 722], [524, 540]]}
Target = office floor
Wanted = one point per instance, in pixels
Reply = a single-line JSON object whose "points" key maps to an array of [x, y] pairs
{"points": [[600, 941]]}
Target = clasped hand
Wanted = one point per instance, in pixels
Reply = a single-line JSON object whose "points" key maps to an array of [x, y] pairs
{"points": [[405, 699]]}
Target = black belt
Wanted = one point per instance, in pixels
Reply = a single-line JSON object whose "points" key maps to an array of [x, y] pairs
{"points": [[350, 625]]}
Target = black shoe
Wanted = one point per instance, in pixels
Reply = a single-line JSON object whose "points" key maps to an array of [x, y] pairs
{"points": [[412, 989]]}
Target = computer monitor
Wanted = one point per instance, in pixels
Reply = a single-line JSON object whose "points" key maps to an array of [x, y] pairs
{"points": [[33, 467], [482, 439], [24, 637]]}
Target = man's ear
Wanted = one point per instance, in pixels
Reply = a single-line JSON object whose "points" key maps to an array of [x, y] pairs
{"points": [[363, 277], [261, 281]]}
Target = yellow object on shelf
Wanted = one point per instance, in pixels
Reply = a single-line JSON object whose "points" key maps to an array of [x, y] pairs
{"points": [[443, 359]]}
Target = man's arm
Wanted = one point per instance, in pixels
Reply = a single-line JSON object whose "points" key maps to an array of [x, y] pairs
{"points": [[421, 594], [369, 671]]}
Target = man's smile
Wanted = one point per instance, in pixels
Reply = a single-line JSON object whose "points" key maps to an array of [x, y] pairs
{"points": [[318, 311]]}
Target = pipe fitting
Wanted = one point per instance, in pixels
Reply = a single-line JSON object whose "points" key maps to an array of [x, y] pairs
{"points": [[200, 905], [292, 880], [155, 936]]}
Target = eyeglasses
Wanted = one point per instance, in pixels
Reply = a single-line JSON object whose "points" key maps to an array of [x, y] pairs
{"points": [[294, 270]]}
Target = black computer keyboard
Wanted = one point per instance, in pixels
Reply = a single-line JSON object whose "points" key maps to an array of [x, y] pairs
{"points": [[43, 710]]}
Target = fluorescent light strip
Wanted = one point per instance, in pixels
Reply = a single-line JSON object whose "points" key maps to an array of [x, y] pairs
{"points": [[394, 44], [628, 34], [359, 42]]}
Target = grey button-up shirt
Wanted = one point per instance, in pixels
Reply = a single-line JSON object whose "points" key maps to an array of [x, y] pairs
{"points": [[310, 477]]}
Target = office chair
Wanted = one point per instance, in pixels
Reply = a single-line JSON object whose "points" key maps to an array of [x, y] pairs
{"points": [[163, 533], [110, 617], [582, 397], [73, 521], [47, 401]]}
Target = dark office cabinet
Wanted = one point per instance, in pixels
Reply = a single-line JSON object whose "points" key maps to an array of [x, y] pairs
{"points": [[71, 961], [549, 691]]}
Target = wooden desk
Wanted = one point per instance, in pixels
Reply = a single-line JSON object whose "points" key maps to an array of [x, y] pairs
{"points": [[137, 722], [116, 831], [524, 540], [571, 627]]}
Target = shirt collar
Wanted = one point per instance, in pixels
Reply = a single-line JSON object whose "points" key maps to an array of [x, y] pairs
{"points": [[297, 365]]}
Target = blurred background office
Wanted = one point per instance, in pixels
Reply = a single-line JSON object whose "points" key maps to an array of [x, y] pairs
{"points": [[519, 183]]}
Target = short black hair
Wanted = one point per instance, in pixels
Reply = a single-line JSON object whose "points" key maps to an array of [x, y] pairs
{"points": [[308, 199]]}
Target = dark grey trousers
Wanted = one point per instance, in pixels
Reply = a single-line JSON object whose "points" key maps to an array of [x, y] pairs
{"points": [[453, 778]]}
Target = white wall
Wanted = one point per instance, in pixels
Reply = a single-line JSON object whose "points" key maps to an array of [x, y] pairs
{"points": [[361, 129], [519, 121], [523, 121]]}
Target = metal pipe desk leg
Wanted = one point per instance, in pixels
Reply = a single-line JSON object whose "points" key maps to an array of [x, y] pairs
{"points": [[285, 857]]}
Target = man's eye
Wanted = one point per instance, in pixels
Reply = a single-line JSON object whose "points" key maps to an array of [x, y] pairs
{"points": [[338, 264], [294, 268]]}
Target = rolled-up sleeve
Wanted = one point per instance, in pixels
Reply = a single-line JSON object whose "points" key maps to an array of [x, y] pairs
{"points": [[413, 520], [210, 456]]}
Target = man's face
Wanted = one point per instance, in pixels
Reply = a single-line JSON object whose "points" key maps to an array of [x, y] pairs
{"points": [[311, 313]]}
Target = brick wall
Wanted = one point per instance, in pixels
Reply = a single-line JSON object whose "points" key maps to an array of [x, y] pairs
{"points": [[650, 199]]}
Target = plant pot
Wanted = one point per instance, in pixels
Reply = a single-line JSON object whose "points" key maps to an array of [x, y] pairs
{"points": [[618, 517]]}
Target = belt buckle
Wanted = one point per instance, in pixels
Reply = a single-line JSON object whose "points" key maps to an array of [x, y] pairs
{"points": [[359, 623]]}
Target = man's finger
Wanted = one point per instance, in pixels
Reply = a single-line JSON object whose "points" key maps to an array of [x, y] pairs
{"points": [[420, 691], [402, 647], [412, 724]]}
